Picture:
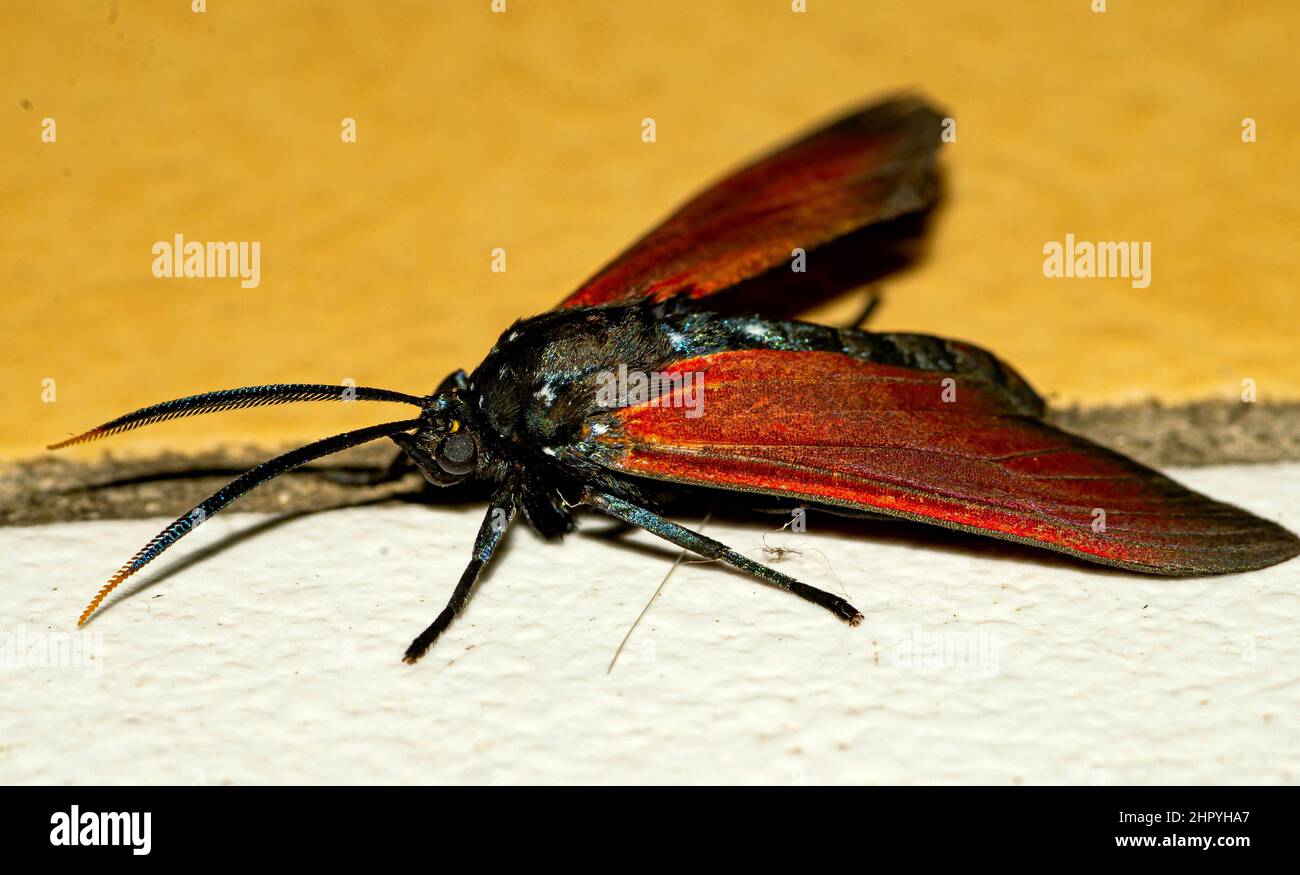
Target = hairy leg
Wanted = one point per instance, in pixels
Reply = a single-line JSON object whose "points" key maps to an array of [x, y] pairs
{"points": [[711, 549], [490, 533], [873, 301], [393, 471]]}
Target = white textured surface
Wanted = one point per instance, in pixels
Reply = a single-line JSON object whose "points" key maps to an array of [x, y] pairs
{"points": [[276, 659]]}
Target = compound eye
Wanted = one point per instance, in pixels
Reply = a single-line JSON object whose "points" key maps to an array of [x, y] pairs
{"points": [[457, 453]]}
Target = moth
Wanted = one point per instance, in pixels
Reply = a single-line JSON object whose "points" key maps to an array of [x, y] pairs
{"points": [[637, 383]]}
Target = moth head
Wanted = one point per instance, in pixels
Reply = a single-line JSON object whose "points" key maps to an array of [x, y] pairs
{"points": [[449, 440]]}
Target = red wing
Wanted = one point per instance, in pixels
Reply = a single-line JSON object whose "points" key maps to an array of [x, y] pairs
{"points": [[870, 166], [831, 429]]}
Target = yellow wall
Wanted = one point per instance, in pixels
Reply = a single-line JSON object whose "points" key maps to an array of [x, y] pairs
{"points": [[522, 130]]}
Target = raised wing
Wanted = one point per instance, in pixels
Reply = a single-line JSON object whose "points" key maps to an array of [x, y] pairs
{"points": [[870, 166], [830, 429]]}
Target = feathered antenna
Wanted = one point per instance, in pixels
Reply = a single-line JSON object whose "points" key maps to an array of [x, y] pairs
{"points": [[250, 479], [234, 399]]}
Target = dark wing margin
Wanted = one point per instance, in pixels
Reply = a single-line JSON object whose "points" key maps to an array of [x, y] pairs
{"points": [[831, 429], [870, 166]]}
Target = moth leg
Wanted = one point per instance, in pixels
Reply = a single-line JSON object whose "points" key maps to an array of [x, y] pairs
{"points": [[490, 533], [395, 470], [422, 459], [711, 549], [457, 379], [873, 301]]}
